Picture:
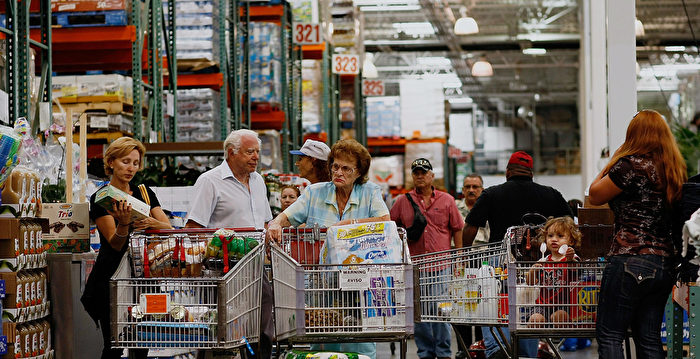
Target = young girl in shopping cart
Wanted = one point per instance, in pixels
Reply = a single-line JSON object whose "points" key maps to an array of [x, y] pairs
{"points": [[552, 274]]}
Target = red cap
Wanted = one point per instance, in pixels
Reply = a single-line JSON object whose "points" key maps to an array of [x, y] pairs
{"points": [[521, 158]]}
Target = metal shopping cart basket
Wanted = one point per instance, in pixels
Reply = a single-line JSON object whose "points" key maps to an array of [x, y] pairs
{"points": [[464, 286], [175, 299], [553, 300], [316, 303]]}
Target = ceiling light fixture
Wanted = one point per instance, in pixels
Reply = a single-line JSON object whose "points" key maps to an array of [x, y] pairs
{"points": [[674, 48], [465, 25], [638, 28], [482, 68], [369, 71], [534, 51]]}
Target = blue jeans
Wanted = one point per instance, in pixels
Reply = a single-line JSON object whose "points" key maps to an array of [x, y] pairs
{"points": [[434, 339], [633, 293], [526, 347]]}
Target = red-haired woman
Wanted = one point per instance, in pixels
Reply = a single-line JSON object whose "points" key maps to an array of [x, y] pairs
{"points": [[641, 184]]}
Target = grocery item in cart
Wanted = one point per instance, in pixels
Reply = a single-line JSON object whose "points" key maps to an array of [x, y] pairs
{"points": [[302, 354], [225, 248], [376, 242]]}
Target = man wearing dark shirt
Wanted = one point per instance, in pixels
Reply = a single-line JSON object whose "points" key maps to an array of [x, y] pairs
{"points": [[503, 206]]}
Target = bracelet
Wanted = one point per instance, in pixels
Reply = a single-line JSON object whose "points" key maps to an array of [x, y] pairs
{"points": [[116, 234]]}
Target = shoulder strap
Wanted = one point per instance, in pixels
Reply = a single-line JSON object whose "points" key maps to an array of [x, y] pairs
{"points": [[144, 194], [413, 203]]}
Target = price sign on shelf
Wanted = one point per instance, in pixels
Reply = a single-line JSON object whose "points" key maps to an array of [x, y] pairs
{"points": [[372, 88], [307, 33], [346, 64]]}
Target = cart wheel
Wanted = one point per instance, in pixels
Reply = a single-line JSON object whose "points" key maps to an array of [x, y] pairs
{"points": [[392, 346]]}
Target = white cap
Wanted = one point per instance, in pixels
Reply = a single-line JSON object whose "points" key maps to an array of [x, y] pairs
{"points": [[315, 149]]}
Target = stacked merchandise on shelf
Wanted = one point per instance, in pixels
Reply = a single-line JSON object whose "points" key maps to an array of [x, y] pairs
{"points": [[25, 304], [195, 24], [305, 11], [311, 91], [81, 13], [265, 50], [197, 115], [107, 101], [347, 26], [384, 116]]}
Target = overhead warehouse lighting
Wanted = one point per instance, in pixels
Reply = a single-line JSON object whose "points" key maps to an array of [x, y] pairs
{"points": [[382, 8], [482, 68], [534, 51], [465, 25], [674, 48]]}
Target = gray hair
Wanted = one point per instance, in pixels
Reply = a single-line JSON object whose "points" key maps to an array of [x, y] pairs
{"points": [[473, 175], [234, 139]]}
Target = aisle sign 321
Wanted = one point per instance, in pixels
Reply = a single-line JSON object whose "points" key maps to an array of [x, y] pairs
{"points": [[372, 88], [307, 33], [346, 64]]}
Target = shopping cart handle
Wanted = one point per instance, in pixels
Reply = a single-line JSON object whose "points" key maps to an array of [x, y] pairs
{"points": [[198, 230]]}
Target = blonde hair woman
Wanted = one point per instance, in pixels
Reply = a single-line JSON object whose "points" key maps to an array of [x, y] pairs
{"points": [[122, 159]]}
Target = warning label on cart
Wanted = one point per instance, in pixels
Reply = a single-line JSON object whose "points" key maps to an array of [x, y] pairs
{"points": [[155, 303], [354, 279]]}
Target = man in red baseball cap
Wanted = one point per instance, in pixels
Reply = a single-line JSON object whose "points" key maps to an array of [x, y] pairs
{"points": [[503, 206]]}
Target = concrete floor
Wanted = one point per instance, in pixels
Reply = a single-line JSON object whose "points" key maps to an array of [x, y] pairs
{"points": [[384, 352]]}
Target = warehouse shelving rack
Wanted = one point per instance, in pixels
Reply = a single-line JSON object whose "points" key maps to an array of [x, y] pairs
{"points": [[288, 117], [18, 41]]}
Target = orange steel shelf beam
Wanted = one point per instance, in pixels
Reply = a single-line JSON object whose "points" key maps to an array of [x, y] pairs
{"points": [[213, 81], [313, 52], [258, 12]]}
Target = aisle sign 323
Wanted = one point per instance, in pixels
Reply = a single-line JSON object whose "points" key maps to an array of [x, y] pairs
{"points": [[346, 64]]}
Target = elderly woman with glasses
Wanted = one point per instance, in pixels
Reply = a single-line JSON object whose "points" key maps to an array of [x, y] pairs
{"points": [[348, 198]]}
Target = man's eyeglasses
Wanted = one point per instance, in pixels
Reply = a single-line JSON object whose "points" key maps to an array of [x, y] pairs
{"points": [[344, 169], [468, 186]]}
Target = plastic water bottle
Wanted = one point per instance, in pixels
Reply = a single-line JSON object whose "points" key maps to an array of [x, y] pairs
{"points": [[488, 308]]}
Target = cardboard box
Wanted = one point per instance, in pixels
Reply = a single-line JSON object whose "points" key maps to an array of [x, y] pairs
{"points": [[73, 245], [10, 234], [107, 194], [67, 220]]}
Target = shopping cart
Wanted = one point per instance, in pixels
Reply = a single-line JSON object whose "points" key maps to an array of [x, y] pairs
{"points": [[465, 286], [316, 303], [176, 299], [554, 300]]}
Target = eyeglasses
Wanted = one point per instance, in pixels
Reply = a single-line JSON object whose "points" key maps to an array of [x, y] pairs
{"points": [[471, 186], [344, 169]]}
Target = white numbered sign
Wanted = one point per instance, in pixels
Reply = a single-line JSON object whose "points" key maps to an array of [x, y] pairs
{"points": [[307, 33], [372, 88], [346, 64]]}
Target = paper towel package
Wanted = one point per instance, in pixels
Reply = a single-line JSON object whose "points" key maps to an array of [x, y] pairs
{"points": [[376, 242]]}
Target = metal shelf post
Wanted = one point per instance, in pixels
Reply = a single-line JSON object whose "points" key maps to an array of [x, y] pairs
{"points": [[170, 31], [10, 32]]}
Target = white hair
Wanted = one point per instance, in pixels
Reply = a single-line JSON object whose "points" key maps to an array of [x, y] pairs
{"points": [[234, 139]]}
